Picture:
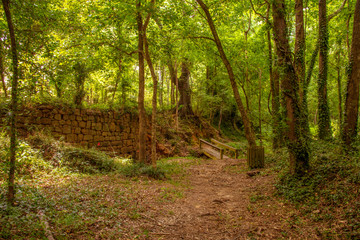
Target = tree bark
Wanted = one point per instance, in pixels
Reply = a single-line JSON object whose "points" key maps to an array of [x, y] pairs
{"points": [[14, 103], [154, 102], [324, 127], [185, 91], [352, 91], [249, 132], [141, 107], [297, 144], [2, 69]]}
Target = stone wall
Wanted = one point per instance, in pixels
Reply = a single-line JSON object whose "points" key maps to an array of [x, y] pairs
{"points": [[109, 130]]}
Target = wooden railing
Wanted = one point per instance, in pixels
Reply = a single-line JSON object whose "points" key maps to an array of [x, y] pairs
{"points": [[211, 150], [227, 147]]}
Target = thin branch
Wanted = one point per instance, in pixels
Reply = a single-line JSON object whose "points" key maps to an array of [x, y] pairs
{"points": [[257, 13], [331, 16], [197, 9], [201, 37], [147, 20]]}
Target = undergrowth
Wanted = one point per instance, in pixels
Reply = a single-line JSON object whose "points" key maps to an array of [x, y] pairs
{"points": [[329, 192]]}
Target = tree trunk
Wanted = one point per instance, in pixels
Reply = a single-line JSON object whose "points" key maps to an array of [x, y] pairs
{"points": [[249, 132], [324, 127], [14, 102], [299, 60], [339, 90], [352, 91], [118, 78], [141, 107], [2, 69], [154, 102], [274, 88], [297, 144], [80, 77], [173, 76], [185, 91]]}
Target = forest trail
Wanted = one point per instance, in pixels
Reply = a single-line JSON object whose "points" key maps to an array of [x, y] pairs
{"points": [[224, 202]]}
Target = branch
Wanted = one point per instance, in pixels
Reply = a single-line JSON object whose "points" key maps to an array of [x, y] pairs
{"points": [[331, 16], [197, 9], [257, 13], [202, 37], [147, 20]]}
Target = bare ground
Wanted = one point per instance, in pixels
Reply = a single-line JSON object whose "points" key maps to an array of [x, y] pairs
{"points": [[224, 202], [216, 199]]}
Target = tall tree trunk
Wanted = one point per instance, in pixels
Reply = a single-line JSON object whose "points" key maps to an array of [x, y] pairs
{"points": [[274, 88], [352, 91], [249, 132], [297, 144], [324, 127], [14, 103], [118, 78], [2, 69], [260, 87], [338, 68], [185, 91], [141, 107], [173, 76], [161, 79], [154, 102]]}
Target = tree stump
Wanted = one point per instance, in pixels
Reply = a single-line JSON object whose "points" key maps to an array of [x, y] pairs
{"points": [[255, 157]]}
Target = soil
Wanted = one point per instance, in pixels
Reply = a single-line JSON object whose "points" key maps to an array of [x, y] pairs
{"points": [[213, 200], [225, 201]]}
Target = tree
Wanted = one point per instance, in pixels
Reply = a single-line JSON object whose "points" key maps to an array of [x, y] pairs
{"points": [[297, 144], [324, 126], [184, 90], [141, 106], [352, 92], [14, 102], [249, 132]]}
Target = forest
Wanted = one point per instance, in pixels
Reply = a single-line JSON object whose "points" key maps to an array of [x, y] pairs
{"points": [[190, 119]]}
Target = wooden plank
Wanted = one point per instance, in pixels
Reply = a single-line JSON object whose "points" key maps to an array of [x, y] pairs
{"points": [[209, 144], [223, 145], [235, 150]]}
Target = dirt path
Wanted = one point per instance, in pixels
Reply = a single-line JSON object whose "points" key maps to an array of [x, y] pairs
{"points": [[223, 202]]}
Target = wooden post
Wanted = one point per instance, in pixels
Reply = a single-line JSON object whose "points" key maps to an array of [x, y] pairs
{"points": [[255, 157], [221, 153]]}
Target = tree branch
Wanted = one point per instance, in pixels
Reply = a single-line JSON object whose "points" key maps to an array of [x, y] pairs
{"points": [[331, 16]]}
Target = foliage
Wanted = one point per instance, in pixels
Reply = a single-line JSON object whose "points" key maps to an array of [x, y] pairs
{"points": [[329, 192], [30, 163]]}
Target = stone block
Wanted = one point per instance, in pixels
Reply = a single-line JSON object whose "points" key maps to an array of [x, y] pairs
{"points": [[77, 112], [82, 124], [77, 130], [66, 129], [45, 121], [78, 118], [88, 124], [71, 138], [88, 138], [74, 123], [57, 117], [112, 127], [80, 137], [65, 117], [84, 131], [98, 126], [72, 117]]}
